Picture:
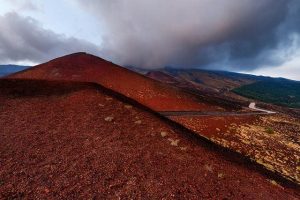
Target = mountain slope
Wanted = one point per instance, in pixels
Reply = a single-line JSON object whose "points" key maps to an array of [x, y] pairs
{"points": [[232, 86], [211, 81], [88, 68], [62, 140]]}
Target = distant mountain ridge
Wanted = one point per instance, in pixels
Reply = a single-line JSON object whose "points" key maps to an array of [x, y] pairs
{"points": [[281, 92], [232, 86], [9, 69], [218, 84]]}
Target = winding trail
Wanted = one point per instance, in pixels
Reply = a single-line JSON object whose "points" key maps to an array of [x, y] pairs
{"points": [[257, 111], [253, 107]]}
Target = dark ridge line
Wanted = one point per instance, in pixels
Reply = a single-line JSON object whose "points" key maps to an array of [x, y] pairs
{"points": [[228, 154]]}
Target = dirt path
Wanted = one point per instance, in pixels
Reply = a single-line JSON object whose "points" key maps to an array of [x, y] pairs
{"points": [[197, 113], [253, 107]]}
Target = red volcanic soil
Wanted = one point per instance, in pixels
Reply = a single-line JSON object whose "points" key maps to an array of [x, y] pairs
{"points": [[88, 68], [79, 141], [269, 140], [163, 77], [210, 94], [166, 78], [210, 126]]}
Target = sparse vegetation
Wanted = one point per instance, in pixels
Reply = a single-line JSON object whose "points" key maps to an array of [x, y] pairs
{"points": [[279, 91], [269, 130]]}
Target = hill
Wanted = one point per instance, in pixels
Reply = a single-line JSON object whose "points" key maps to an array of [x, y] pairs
{"points": [[88, 68]]}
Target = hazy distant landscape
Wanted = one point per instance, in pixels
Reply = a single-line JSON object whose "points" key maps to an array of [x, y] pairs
{"points": [[276, 91], [9, 69]]}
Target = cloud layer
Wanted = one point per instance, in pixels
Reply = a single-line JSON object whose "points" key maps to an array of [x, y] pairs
{"points": [[24, 39], [240, 34]]}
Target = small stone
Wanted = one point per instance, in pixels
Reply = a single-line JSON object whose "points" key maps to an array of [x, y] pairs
{"points": [[220, 175], [109, 119], [208, 168], [163, 134], [46, 190], [183, 148], [138, 122], [174, 142], [217, 129], [108, 98], [101, 105], [128, 106], [274, 182]]}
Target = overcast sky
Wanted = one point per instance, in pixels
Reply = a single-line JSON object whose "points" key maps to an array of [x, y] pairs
{"points": [[259, 37]]}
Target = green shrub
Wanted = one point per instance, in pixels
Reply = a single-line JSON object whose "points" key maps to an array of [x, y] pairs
{"points": [[269, 130]]}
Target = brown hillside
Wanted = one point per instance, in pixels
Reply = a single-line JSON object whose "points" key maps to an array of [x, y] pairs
{"points": [[88, 68], [70, 140]]}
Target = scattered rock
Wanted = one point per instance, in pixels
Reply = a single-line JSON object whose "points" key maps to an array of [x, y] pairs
{"points": [[183, 148], [108, 98], [274, 182], [163, 134], [217, 129], [208, 168], [109, 119], [220, 175], [174, 142], [128, 106], [101, 105], [138, 122]]}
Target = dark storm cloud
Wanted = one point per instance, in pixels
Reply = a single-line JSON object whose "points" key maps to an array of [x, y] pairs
{"points": [[241, 34], [23, 39]]}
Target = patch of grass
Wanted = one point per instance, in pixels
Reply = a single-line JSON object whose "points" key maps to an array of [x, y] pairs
{"points": [[269, 130], [276, 91]]}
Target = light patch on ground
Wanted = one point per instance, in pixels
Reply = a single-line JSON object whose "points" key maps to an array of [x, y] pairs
{"points": [[278, 150]]}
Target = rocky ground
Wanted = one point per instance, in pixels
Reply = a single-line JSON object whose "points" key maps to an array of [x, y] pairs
{"points": [[62, 140], [271, 140]]}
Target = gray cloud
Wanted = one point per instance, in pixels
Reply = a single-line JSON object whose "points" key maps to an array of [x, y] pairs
{"points": [[23, 5], [24, 39], [241, 34]]}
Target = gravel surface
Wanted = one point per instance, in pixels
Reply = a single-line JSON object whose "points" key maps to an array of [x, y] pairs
{"points": [[56, 144]]}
